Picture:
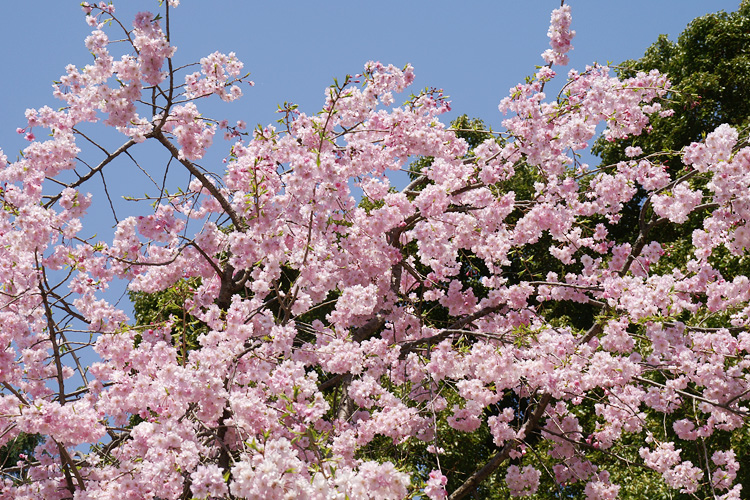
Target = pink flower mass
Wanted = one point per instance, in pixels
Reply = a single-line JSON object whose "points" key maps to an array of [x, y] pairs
{"points": [[303, 342]]}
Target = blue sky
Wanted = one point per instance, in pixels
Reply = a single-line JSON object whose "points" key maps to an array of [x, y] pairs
{"points": [[475, 50]]}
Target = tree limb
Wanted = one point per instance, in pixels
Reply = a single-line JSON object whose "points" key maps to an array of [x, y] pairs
{"points": [[490, 467]]}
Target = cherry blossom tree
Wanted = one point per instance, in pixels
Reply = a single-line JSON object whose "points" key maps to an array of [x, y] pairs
{"points": [[306, 329]]}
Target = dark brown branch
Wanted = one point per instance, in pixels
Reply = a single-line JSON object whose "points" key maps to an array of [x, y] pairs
{"points": [[696, 397], [53, 340], [365, 331], [456, 326], [490, 467], [90, 174], [109, 198], [640, 242], [68, 467], [210, 187], [16, 393]]}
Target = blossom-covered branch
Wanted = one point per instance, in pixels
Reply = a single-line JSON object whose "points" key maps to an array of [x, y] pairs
{"points": [[296, 339]]}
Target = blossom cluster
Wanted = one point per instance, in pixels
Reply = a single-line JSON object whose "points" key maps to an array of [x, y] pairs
{"points": [[560, 36], [290, 328]]}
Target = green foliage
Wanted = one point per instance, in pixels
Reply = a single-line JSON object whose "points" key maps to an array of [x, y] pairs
{"points": [[11, 452], [709, 67], [156, 309]]}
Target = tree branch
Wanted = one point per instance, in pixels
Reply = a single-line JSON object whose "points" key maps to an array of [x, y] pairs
{"points": [[490, 467], [98, 168], [210, 187]]}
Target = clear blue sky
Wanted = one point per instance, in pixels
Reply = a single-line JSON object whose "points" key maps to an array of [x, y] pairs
{"points": [[475, 50]]}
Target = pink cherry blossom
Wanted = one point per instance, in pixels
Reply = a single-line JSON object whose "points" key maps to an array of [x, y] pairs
{"points": [[522, 482], [560, 36], [297, 328]]}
